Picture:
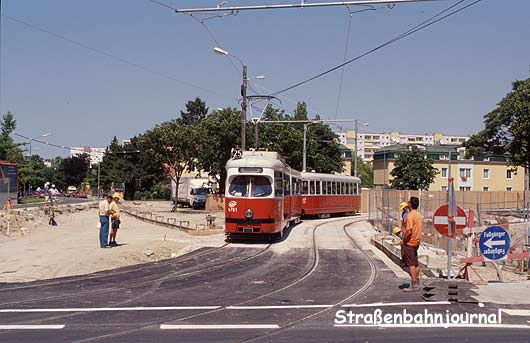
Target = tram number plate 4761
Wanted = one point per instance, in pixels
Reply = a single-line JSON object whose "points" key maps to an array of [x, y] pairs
{"points": [[248, 229]]}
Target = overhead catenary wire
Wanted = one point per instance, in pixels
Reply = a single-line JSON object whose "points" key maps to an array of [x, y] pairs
{"points": [[405, 34], [346, 45], [112, 56], [210, 33]]}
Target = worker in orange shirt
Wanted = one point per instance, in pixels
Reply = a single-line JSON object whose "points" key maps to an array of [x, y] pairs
{"points": [[410, 243]]}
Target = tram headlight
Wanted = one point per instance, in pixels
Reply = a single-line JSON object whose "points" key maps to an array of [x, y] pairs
{"points": [[249, 214]]}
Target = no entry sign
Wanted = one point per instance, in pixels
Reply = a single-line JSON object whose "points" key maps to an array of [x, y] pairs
{"points": [[441, 220]]}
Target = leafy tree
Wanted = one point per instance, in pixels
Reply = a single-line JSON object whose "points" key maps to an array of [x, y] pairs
{"points": [[506, 128], [196, 111], [365, 172], [8, 124], [174, 144], [220, 132], [9, 150], [74, 169], [131, 164], [413, 170], [323, 149]]}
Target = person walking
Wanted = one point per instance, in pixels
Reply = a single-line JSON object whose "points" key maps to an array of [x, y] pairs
{"points": [[104, 212], [115, 217], [410, 244]]}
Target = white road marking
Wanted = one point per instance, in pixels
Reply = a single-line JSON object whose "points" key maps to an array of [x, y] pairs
{"points": [[274, 307], [439, 326], [512, 312], [31, 327], [218, 326], [102, 309], [425, 303]]}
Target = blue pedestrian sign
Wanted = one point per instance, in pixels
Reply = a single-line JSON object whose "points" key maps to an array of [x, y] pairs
{"points": [[494, 243]]}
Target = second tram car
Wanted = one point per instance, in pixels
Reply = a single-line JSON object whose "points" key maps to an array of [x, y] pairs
{"points": [[264, 195]]}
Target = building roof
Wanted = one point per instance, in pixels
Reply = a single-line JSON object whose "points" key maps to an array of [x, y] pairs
{"points": [[435, 152]]}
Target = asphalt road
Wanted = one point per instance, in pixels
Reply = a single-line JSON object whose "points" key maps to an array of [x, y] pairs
{"points": [[236, 293]]}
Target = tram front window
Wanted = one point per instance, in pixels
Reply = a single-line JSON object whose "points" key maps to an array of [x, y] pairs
{"points": [[261, 186], [256, 186]]}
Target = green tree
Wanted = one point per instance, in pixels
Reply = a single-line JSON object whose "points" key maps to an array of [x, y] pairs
{"points": [[365, 172], [8, 124], [74, 169], [196, 111], [506, 128], [219, 133], [174, 145], [9, 150], [413, 170]]}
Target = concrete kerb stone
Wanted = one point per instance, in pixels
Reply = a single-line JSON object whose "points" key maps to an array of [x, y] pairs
{"points": [[143, 217], [387, 244]]}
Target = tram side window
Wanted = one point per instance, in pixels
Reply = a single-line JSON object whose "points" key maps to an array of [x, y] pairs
{"points": [[312, 187], [278, 184], [349, 188], [317, 187], [324, 187], [355, 188], [304, 187], [328, 187], [286, 185], [299, 186]]}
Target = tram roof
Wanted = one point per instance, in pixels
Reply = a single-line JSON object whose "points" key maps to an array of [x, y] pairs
{"points": [[329, 177], [264, 159]]}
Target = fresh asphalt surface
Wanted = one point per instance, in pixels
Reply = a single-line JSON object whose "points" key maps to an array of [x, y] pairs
{"points": [[292, 296]]}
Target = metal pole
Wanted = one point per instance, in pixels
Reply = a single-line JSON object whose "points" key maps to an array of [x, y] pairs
{"points": [[355, 155], [304, 152], [450, 200], [30, 167], [244, 110], [527, 209], [256, 135], [300, 5], [99, 164]]}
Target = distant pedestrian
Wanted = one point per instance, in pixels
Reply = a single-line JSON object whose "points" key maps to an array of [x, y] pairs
{"points": [[411, 242], [115, 219], [104, 213]]}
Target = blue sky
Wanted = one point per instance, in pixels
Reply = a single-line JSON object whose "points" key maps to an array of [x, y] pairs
{"points": [[441, 79]]}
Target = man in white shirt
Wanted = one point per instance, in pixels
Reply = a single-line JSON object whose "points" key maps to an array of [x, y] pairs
{"points": [[104, 212]]}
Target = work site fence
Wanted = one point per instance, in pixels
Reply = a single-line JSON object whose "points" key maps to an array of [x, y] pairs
{"points": [[382, 208]]}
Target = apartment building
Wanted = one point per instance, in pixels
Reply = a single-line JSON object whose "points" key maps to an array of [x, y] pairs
{"points": [[94, 154], [369, 143], [479, 173]]}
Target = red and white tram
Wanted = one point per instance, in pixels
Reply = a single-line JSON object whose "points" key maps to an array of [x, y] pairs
{"points": [[264, 195]]}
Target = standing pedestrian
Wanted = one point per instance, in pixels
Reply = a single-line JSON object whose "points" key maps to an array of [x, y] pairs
{"points": [[410, 244], [115, 216], [104, 212]]}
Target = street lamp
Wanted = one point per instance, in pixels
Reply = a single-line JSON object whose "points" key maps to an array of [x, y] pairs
{"points": [[220, 51]]}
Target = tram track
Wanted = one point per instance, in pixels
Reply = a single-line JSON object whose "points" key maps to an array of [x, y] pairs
{"points": [[309, 271], [106, 274], [359, 292], [149, 282]]}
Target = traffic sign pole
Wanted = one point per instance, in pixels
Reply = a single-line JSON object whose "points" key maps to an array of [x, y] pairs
{"points": [[450, 216]]}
